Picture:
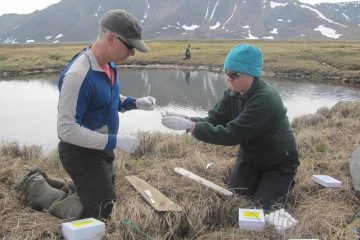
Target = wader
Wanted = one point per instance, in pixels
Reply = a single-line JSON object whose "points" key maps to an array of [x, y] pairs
{"points": [[266, 186], [94, 177]]}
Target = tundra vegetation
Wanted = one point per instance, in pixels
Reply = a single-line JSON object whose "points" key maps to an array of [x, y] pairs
{"points": [[334, 61], [325, 141]]}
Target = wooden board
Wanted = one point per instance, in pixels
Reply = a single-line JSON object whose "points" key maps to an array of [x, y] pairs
{"points": [[203, 181], [162, 203]]}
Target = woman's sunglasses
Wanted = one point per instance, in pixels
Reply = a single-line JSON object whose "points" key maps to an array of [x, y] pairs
{"points": [[232, 75]]}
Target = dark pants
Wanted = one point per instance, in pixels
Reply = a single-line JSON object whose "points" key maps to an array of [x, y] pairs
{"points": [[265, 185], [187, 56], [92, 172]]}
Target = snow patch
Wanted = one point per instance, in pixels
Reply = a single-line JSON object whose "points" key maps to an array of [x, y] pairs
{"points": [[215, 26], [251, 36], [321, 15], [230, 17], [347, 18], [212, 14], [189, 28], [274, 31], [328, 32], [275, 4]]}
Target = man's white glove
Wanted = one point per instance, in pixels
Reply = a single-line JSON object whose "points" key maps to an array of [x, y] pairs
{"points": [[176, 123], [146, 103], [168, 113], [127, 143]]}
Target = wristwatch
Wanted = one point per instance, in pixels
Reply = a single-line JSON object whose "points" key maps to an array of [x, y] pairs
{"points": [[188, 126]]}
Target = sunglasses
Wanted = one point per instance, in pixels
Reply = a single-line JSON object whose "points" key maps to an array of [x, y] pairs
{"points": [[128, 46], [233, 75]]}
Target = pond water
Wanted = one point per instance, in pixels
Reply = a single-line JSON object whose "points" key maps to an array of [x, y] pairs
{"points": [[29, 104]]}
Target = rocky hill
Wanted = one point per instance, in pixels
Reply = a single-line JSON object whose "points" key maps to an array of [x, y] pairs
{"points": [[77, 20]]}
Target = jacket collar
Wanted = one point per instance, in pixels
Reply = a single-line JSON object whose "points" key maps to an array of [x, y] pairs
{"points": [[94, 63]]}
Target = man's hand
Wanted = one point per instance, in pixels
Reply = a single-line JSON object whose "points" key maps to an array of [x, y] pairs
{"points": [[127, 143], [168, 113], [146, 103], [176, 123]]}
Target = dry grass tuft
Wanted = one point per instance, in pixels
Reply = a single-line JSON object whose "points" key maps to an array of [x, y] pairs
{"points": [[325, 142]]}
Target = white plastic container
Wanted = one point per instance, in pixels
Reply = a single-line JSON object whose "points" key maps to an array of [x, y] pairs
{"points": [[251, 219], [326, 181], [85, 229], [281, 220]]}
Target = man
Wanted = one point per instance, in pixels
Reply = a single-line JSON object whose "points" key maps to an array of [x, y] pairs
{"points": [[250, 113], [88, 123], [187, 53]]}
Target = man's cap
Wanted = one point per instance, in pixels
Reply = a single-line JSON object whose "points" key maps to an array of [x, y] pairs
{"points": [[245, 58], [124, 24]]}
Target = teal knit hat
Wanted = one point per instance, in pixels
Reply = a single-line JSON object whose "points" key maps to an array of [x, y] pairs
{"points": [[245, 58]]}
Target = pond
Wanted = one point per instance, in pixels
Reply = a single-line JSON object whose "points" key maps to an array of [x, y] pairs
{"points": [[29, 104]]}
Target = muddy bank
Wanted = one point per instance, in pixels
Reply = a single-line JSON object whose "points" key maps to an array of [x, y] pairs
{"points": [[298, 74]]}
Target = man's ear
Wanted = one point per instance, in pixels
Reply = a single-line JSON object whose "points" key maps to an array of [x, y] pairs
{"points": [[110, 39]]}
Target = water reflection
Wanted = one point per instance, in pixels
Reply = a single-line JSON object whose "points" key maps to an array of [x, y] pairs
{"points": [[187, 77], [29, 104]]}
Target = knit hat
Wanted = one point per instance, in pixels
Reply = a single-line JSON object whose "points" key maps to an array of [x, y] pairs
{"points": [[124, 24], [245, 58]]}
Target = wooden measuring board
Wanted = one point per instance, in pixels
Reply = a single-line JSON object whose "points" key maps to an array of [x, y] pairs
{"points": [[162, 203], [203, 181]]}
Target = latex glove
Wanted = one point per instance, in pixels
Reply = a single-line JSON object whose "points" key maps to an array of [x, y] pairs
{"points": [[146, 103], [175, 123], [127, 143], [170, 113]]}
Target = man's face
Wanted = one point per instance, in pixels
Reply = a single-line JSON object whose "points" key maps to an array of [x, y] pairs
{"points": [[121, 49]]}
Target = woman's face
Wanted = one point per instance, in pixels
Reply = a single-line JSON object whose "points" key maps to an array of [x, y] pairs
{"points": [[240, 82]]}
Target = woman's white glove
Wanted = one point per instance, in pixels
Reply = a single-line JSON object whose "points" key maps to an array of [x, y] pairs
{"points": [[176, 123], [168, 113], [127, 143], [146, 103]]}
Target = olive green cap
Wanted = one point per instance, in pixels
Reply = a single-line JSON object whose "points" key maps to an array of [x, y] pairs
{"points": [[124, 24]]}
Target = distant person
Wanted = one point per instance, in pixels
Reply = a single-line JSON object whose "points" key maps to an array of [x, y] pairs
{"points": [[252, 114], [187, 53], [88, 123]]}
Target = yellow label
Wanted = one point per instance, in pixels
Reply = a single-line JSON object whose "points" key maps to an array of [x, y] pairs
{"points": [[251, 214], [85, 222]]}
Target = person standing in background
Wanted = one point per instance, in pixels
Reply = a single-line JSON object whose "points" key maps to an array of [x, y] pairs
{"points": [[187, 53]]}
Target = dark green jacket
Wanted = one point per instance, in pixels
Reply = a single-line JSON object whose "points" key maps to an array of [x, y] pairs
{"points": [[257, 121]]}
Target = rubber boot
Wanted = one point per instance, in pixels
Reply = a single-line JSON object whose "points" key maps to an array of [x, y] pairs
{"points": [[64, 185], [69, 207], [38, 194]]}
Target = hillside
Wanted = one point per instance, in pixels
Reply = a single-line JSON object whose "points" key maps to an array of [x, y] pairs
{"points": [[77, 20]]}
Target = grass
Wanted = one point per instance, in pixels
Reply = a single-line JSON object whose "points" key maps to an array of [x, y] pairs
{"points": [[308, 60], [324, 140]]}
